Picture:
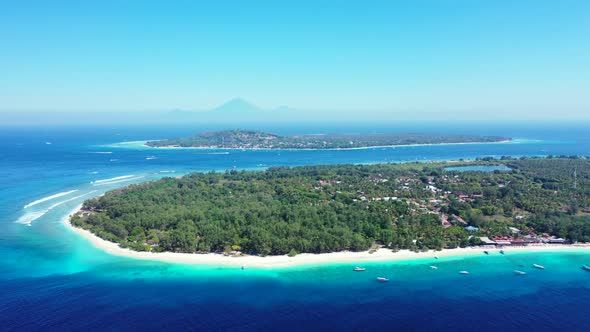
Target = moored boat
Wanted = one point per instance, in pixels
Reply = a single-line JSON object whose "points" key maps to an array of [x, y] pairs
{"points": [[433, 267], [359, 269], [486, 252], [463, 272], [382, 279], [586, 268], [502, 252], [537, 266], [518, 272]]}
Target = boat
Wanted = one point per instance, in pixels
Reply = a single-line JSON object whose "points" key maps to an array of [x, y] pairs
{"points": [[463, 272], [502, 252], [537, 266], [486, 252], [586, 268], [518, 272], [359, 269], [382, 279], [433, 267], [435, 257]]}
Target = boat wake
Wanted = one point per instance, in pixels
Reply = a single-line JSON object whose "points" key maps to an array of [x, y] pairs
{"points": [[29, 217], [48, 198]]}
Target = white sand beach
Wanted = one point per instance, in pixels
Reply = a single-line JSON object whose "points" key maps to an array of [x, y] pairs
{"points": [[381, 255]]}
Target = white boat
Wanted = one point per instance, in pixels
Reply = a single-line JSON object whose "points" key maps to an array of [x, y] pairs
{"points": [[463, 272], [359, 269], [382, 279], [537, 266], [586, 268], [518, 272], [433, 267]]}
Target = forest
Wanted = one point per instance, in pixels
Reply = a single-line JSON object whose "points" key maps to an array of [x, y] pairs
{"points": [[319, 209]]}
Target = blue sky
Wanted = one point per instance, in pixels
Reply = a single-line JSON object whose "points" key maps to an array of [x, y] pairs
{"points": [[516, 58]]}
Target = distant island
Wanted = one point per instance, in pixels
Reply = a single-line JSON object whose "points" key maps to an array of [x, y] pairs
{"points": [[323, 209], [249, 139]]}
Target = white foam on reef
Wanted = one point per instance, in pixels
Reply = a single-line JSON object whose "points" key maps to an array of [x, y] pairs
{"points": [[29, 217], [166, 171], [218, 152], [113, 179], [71, 199], [151, 158], [101, 152], [118, 181], [48, 198]]}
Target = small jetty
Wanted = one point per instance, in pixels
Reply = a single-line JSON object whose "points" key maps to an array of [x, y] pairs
{"points": [[433, 267], [463, 272], [586, 268], [537, 266], [520, 273], [382, 279], [359, 269]]}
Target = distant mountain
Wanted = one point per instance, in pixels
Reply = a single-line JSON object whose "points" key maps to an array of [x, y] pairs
{"points": [[237, 110], [236, 106]]}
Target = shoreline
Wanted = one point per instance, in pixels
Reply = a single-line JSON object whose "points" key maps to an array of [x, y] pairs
{"points": [[172, 147], [269, 262]]}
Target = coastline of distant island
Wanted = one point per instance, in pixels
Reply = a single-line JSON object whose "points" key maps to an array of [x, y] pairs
{"points": [[258, 140]]}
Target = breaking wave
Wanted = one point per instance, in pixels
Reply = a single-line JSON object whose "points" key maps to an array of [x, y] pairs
{"points": [[48, 198], [118, 181], [29, 217], [113, 179]]}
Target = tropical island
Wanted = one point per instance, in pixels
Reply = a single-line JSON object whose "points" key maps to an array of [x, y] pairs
{"points": [[249, 139], [324, 209]]}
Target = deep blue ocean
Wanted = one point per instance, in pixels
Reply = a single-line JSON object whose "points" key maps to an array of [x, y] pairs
{"points": [[52, 279]]}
